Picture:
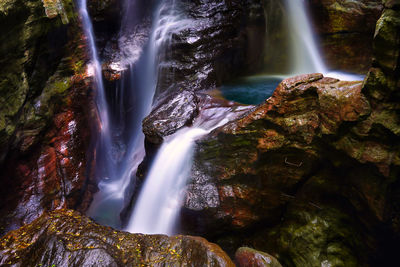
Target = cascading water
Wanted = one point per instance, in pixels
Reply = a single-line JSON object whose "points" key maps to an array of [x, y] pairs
{"points": [[95, 67], [139, 81], [138, 84], [160, 200], [305, 53]]}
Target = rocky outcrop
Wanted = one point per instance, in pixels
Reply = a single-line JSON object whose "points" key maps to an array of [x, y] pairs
{"points": [[318, 183], [346, 30], [65, 238], [287, 159], [45, 111]]}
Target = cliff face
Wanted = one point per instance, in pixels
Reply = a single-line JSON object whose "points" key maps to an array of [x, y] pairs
{"points": [[45, 110]]}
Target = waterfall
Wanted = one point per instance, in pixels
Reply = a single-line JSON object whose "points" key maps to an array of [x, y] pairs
{"points": [[160, 199], [305, 53], [138, 83], [304, 49]]}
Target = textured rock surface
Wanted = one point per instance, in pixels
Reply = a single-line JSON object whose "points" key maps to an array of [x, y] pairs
{"points": [[65, 238], [346, 29], [45, 111], [215, 41], [169, 116], [280, 141]]}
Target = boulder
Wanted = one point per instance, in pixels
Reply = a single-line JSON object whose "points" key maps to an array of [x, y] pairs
{"points": [[246, 257], [66, 238]]}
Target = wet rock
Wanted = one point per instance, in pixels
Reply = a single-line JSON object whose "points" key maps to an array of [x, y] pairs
{"points": [[346, 30], [245, 256], [65, 238], [170, 115], [45, 114], [280, 141], [246, 173]]}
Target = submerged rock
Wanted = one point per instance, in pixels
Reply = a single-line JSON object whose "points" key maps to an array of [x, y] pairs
{"points": [[65, 238]]}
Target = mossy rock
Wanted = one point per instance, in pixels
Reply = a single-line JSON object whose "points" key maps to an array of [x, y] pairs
{"points": [[66, 238]]}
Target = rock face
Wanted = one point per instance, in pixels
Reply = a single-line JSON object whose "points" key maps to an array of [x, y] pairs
{"points": [[65, 238], [45, 111], [303, 108], [346, 29], [169, 116]]}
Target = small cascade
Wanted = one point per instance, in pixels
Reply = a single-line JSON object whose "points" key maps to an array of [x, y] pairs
{"points": [[305, 53], [160, 199], [304, 49], [95, 68]]}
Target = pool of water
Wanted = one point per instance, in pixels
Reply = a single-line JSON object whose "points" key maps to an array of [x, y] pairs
{"points": [[251, 90]]}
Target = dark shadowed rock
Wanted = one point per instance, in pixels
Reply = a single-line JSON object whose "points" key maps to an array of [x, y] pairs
{"points": [[212, 42], [65, 238]]}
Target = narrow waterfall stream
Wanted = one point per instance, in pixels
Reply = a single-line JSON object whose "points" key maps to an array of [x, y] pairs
{"points": [[304, 47], [95, 68]]}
